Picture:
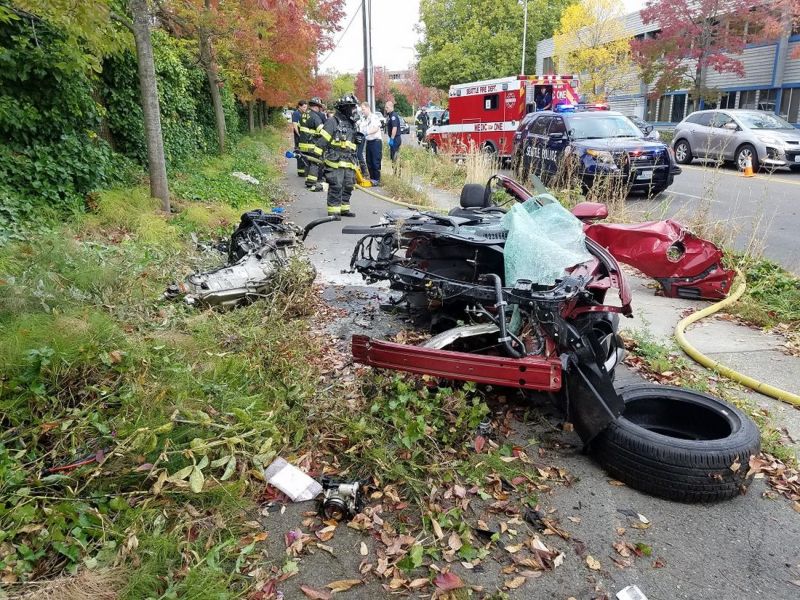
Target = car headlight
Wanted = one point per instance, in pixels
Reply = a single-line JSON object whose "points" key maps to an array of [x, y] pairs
{"points": [[768, 139], [601, 156]]}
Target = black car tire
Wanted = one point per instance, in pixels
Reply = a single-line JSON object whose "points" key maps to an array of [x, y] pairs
{"points": [[678, 444], [687, 152], [432, 147], [741, 151]]}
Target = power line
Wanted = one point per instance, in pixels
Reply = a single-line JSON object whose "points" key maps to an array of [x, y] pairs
{"points": [[353, 18]]}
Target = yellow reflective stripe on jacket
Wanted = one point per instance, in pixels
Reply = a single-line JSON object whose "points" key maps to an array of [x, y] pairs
{"points": [[325, 134], [340, 164], [309, 147], [307, 130], [346, 145]]}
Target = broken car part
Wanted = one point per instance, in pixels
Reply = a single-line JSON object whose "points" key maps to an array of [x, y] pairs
{"points": [[340, 499], [558, 337], [685, 265], [262, 245]]}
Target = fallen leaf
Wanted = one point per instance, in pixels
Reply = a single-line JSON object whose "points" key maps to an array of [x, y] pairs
{"points": [[593, 563], [659, 563], [513, 549], [454, 541], [480, 443], [364, 550], [115, 356], [342, 585], [315, 594], [326, 533], [418, 583], [558, 560], [622, 549], [616, 483], [575, 520], [437, 529], [448, 581], [514, 582], [737, 464]]}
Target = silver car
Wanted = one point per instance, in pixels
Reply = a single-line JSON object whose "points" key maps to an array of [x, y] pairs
{"points": [[766, 139]]}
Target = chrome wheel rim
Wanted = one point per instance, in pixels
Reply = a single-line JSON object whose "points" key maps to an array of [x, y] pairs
{"points": [[744, 154], [681, 152]]}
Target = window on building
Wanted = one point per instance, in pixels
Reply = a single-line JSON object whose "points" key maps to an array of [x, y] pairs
{"points": [[790, 104], [490, 102], [678, 107], [650, 112], [663, 108], [747, 99], [766, 100], [548, 65], [727, 100]]}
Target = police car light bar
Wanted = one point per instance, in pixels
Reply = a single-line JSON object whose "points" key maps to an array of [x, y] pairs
{"points": [[565, 107]]}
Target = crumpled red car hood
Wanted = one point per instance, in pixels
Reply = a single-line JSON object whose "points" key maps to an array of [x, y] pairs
{"points": [[685, 265]]}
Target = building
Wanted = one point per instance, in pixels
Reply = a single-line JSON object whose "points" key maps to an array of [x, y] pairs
{"points": [[398, 76], [771, 81]]}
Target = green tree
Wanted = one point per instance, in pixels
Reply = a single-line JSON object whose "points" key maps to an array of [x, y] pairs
{"points": [[591, 41], [342, 84], [401, 103], [470, 40]]}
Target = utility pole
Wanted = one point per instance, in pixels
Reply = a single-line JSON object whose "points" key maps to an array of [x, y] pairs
{"points": [[524, 38], [369, 76]]}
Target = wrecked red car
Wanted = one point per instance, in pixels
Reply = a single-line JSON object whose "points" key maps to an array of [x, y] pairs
{"points": [[519, 296]]}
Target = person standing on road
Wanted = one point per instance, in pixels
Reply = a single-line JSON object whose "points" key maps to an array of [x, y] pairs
{"points": [[337, 140], [393, 129], [370, 126], [297, 114], [310, 125], [422, 123]]}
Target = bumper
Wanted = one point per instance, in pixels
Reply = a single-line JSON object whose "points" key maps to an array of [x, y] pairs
{"points": [[532, 373], [780, 157]]}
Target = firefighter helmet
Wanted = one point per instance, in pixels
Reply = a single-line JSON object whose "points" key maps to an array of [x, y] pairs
{"points": [[348, 106], [315, 101]]}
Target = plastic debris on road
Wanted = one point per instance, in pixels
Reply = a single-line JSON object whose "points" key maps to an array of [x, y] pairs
{"points": [[542, 242], [632, 592], [291, 481]]}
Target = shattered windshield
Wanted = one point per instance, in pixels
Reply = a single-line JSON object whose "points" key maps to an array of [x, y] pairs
{"points": [[605, 126]]}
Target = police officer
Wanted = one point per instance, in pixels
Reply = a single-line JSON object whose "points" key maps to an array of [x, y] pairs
{"points": [[310, 126], [393, 129], [297, 114], [339, 139]]}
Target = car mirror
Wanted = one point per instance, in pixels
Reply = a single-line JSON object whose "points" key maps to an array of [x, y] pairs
{"points": [[731, 126], [590, 211], [435, 121], [647, 129]]}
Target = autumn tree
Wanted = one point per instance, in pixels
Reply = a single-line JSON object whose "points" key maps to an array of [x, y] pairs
{"points": [[343, 83], [470, 40], [696, 37], [383, 90], [591, 41], [417, 94]]}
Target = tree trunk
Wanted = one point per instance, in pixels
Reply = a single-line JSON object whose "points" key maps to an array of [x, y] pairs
{"points": [[207, 60], [156, 165], [250, 116]]}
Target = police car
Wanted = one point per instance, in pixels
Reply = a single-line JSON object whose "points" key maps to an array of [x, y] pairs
{"points": [[592, 143]]}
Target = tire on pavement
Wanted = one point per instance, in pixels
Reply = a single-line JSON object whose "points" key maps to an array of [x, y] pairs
{"points": [[683, 153], [741, 156], [678, 444]]}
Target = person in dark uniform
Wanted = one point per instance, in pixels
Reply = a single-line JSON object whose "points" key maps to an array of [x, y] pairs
{"points": [[422, 123], [310, 126], [338, 140], [393, 130], [297, 114]]}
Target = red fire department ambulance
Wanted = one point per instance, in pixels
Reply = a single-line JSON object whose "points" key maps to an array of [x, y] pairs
{"points": [[485, 114]]}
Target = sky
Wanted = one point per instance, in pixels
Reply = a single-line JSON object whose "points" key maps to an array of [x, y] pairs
{"points": [[393, 36]]}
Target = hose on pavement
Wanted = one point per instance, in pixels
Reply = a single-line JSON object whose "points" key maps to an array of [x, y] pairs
{"points": [[709, 363]]}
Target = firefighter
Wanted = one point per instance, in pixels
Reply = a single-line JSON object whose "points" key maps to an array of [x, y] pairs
{"points": [[339, 140], [310, 125], [297, 115]]}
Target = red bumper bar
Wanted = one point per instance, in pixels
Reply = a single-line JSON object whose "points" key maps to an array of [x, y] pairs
{"points": [[530, 373]]}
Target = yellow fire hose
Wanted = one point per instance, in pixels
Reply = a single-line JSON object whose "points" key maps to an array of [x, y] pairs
{"points": [[699, 357], [680, 329], [372, 192]]}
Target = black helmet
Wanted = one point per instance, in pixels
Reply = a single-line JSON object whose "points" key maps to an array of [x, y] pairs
{"points": [[315, 101], [347, 105]]}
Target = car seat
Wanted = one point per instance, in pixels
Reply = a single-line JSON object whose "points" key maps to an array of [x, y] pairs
{"points": [[473, 196]]}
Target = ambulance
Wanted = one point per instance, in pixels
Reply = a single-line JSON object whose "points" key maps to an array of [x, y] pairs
{"points": [[485, 114]]}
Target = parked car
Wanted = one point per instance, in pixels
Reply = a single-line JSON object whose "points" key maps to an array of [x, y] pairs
{"points": [[738, 135], [404, 127], [593, 145], [287, 114], [649, 131]]}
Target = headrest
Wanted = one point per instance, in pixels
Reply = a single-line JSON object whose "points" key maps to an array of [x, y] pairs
{"points": [[472, 196]]}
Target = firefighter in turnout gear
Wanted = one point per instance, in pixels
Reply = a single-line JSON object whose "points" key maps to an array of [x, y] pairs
{"points": [[339, 139], [310, 125]]}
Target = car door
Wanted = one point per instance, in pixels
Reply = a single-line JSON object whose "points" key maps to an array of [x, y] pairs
{"points": [[723, 136], [536, 143], [698, 133], [556, 141]]}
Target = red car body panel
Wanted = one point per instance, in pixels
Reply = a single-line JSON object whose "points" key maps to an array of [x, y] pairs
{"points": [[685, 265]]}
